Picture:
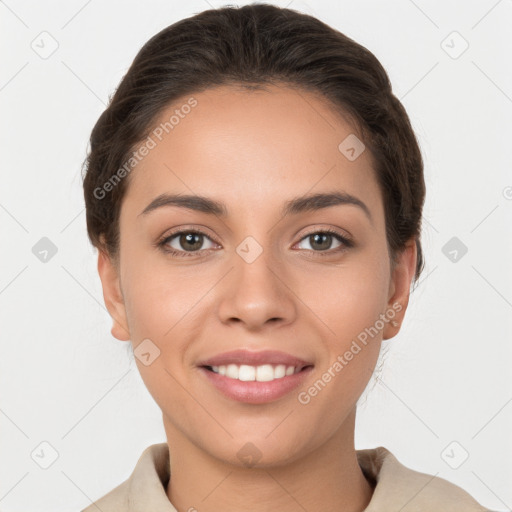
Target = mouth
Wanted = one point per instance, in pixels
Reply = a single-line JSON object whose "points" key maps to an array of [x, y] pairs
{"points": [[260, 373], [255, 377]]}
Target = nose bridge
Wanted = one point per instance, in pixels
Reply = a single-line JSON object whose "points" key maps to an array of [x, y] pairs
{"points": [[256, 291]]}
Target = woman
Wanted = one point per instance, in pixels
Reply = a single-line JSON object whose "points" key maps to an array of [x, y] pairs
{"points": [[255, 193]]}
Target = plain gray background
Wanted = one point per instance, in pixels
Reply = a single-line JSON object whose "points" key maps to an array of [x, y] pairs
{"points": [[444, 390]]}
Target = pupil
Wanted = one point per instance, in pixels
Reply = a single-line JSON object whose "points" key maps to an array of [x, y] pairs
{"points": [[189, 239], [324, 236]]}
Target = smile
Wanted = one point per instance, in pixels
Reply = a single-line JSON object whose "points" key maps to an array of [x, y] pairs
{"points": [[255, 377], [262, 373]]}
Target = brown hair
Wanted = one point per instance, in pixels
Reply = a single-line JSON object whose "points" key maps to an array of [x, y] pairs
{"points": [[251, 46]]}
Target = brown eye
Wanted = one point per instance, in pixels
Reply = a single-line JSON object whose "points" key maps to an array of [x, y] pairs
{"points": [[186, 242], [191, 241], [323, 240]]}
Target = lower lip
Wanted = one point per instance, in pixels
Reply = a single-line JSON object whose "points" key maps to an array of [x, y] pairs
{"points": [[254, 392]]}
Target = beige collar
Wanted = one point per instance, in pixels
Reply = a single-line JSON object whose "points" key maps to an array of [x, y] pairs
{"points": [[396, 486]]}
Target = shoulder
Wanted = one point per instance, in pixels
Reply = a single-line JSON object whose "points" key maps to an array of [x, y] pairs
{"points": [[115, 500], [145, 489], [398, 487]]}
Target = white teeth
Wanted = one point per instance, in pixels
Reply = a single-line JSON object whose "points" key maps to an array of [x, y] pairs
{"points": [[246, 373], [231, 371], [280, 371], [262, 373]]}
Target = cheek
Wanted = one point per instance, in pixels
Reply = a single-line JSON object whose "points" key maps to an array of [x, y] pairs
{"points": [[348, 298], [355, 306], [350, 304], [159, 308], [158, 296], [163, 305]]}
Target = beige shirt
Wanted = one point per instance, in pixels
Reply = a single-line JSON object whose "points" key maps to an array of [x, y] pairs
{"points": [[397, 488]]}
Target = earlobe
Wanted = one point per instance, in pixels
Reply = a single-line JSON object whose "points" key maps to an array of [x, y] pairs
{"points": [[399, 288], [113, 296]]}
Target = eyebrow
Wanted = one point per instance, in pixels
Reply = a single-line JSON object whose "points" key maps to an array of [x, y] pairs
{"points": [[294, 206]]}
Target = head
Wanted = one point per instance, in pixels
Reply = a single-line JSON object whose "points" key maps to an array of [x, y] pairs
{"points": [[304, 232]]}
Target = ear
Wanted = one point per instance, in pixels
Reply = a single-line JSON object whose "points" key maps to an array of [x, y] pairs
{"points": [[399, 287], [113, 296]]}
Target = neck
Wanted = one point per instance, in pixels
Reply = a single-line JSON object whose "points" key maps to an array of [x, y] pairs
{"points": [[328, 478]]}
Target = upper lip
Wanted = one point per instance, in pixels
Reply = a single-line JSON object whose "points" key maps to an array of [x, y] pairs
{"points": [[247, 357]]}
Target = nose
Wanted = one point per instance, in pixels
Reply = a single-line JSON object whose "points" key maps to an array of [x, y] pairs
{"points": [[256, 294]]}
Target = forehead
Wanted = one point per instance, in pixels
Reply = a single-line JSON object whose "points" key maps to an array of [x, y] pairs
{"points": [[251, 149]]}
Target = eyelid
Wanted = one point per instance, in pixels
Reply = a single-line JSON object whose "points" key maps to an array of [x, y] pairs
{"points": [[330, 230], [188, 229]]}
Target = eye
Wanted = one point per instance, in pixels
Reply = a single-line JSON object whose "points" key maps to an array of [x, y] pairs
{"points": [[185, 242], [189, 242], [321, 241]]}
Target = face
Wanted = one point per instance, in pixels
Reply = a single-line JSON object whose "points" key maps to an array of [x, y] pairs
{"points": [[312, 281]]}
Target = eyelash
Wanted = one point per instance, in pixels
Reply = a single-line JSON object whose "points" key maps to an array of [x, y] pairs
{"points": [[162, 244]]}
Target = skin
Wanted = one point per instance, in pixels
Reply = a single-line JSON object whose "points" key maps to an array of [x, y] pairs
{"points": [[254, 151]]}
